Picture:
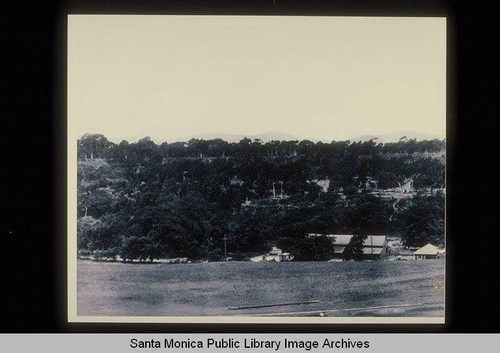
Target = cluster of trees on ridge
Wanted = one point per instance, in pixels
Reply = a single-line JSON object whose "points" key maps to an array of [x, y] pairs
{"points": [[147, 201]]}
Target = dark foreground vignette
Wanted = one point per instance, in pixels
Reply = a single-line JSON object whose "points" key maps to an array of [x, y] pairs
{"points": [[30, 300]]}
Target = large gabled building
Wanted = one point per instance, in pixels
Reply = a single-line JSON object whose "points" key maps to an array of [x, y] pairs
{"points": [[375, 247]]}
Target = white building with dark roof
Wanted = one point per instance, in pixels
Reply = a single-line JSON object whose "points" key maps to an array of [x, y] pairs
{"points": [[375, 247]]}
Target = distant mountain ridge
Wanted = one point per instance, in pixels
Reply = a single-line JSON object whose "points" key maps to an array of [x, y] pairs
{"points": [[265, 137], [396, 136], [275, 135], [281, 136]]}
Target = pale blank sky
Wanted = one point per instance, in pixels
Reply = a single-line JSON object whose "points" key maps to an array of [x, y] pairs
{"points": [[321, 78]]}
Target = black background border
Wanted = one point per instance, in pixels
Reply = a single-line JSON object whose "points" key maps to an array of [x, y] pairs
{"points": [[34, 230]]}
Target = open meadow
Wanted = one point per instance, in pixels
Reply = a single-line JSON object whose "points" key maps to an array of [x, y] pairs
{"points": [[383, 288]]}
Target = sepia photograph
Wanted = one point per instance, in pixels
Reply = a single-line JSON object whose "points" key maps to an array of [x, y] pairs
{"points": [[256, 169]]}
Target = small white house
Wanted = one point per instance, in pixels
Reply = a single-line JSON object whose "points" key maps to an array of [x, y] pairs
{"points": [[407, 185], [277, 255], [427, 252]]}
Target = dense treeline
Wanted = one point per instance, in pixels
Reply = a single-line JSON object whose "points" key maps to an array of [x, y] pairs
{"points": [[146, 201]]}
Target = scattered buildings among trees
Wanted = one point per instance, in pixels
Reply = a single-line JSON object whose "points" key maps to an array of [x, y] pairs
{"points": [[143, 201]]}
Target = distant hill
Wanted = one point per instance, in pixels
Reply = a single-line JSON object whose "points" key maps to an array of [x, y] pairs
{"points": [[265, 137], [396, 136], [281, 136]]}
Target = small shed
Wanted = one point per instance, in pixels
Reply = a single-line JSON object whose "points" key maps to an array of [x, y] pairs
{"points": [[427, 252]]}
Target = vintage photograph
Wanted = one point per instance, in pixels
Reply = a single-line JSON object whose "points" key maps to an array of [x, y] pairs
{"points": [[286, 169]]}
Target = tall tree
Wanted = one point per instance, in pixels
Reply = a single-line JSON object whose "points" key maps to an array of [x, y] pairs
{"points": [[314, 248], [423, 221], [354, 250]]}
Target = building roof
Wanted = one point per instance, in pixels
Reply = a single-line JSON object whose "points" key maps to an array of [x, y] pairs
{"points": [[341, 239], [429, 249], [371, 240]]}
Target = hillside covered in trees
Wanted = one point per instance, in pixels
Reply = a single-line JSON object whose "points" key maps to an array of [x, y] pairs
{"points": [[146, 201]]}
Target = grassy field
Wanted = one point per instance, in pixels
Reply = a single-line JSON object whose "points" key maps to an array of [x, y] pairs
{"points": [[386, 288]]}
